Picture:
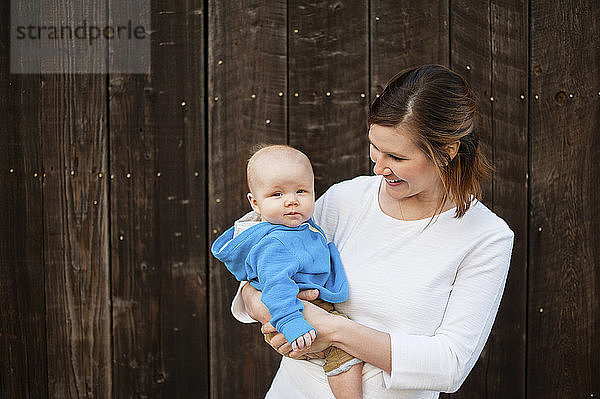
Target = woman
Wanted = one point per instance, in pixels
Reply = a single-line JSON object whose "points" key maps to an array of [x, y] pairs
{"points": [[426, 261]]}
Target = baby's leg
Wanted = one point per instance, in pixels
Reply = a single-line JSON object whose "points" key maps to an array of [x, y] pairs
{"points": [[347, 385]]}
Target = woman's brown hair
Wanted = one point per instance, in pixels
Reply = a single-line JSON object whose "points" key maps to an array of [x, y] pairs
{"points": [[440, 108]]}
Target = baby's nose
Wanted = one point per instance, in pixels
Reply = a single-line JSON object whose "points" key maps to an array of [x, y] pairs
{"points": [[291, 201]]}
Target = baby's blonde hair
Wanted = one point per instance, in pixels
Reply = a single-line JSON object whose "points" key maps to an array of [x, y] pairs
{"points": [[274, 153]]}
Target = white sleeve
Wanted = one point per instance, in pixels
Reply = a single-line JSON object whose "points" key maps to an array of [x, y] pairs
{"points": [[238, 310], [442, 362], [325, 214]]}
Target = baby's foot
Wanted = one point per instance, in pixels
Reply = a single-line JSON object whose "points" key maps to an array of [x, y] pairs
{"points": [[304, 341]]}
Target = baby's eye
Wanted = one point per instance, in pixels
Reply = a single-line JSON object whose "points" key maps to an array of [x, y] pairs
{"points": [[300, 191], [277, 194]]}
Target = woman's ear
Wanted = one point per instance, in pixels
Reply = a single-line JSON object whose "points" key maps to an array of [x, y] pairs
{"points": [[253, 203], [452, 149]]}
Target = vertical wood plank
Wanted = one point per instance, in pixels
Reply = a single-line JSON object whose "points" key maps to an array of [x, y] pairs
{"points": [[471, 57], [246, 57], [502, 69], [158, 213], [506, 349], [563, 350], [23, 370], [406, 34], [74, 133], [328, 87]]}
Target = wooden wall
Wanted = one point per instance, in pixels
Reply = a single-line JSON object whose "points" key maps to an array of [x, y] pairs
{"points": [[114, 186]]}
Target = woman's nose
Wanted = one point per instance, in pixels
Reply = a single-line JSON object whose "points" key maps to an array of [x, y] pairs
{"points": [[380, 169]]}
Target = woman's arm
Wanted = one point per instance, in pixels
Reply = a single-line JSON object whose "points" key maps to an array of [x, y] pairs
{"points": [[365, 343], [370, 345], [438, 362]]}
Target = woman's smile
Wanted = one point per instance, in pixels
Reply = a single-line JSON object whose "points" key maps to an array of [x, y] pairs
{"points": [[394, 182]]}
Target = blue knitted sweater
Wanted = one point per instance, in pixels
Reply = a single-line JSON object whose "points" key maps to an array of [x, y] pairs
{"points": [[280, 261]]}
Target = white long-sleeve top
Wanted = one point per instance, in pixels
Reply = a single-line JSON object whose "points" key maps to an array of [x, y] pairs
{"points": [[436, 291]]}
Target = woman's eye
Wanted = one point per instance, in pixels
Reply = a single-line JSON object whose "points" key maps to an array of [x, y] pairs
{"points": [[395, 158]]}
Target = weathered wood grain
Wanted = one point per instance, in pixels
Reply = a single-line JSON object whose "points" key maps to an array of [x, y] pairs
{"points": [[406, 34], [158, 213], [246, 73], [471, 56], [470, 44], [23, 370], [73, 128], [506, 348], [328, 87], [490, 49], [563, 342]]}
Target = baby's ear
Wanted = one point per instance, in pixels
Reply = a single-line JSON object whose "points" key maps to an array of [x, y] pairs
{"points": [[253, 203]]}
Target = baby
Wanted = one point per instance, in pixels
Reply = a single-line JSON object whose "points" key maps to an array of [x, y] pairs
{"points": [[281, 251]]}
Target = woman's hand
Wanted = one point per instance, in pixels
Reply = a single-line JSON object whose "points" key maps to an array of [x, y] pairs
{"points": [[323, 321], [254, 306], [257, 309]]}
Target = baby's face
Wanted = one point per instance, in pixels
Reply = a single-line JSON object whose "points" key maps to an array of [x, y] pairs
{"points": [[284, 194]]}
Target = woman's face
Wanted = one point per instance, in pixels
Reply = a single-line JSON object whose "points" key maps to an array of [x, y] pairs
{"points": [[408, 173]]}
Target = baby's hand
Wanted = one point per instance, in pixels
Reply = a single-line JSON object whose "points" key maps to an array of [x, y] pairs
{"points": [[305, 340]]}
